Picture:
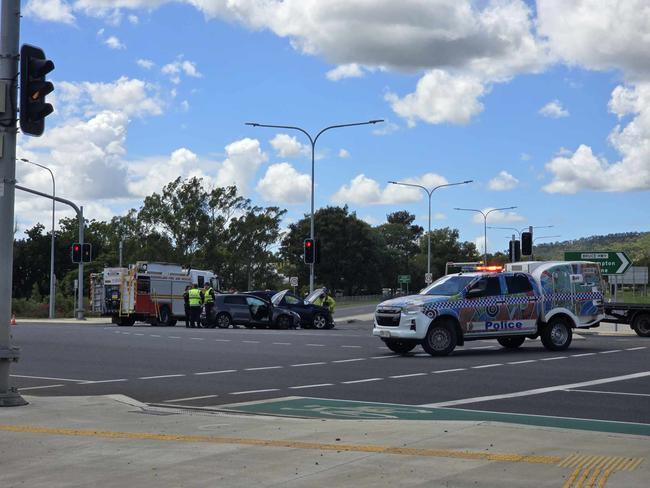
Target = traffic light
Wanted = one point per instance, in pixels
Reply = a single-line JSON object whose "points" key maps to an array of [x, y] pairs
{"points": [[517, 251], [86, 252], [76, 253], [33, 89], [310, 251], [526, 243]]}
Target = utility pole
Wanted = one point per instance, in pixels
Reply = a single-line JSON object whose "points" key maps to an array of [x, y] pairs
{"points": [[121, 247], [9, 40]]}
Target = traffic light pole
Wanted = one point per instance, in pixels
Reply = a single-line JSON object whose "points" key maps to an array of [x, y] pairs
{"points": [[79, 314], [9, 40]]}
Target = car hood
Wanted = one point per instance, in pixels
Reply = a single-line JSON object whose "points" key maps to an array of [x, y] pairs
{"points": [[410, 300]]}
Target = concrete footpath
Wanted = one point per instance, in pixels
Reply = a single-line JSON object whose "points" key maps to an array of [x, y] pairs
{"points": [[114, 441]]}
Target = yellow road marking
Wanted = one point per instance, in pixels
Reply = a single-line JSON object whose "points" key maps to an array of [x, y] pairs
{"points": [[594, 471], [407, 451]]}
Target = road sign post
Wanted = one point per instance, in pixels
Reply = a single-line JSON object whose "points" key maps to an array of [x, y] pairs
{"points": [[611, 262]]}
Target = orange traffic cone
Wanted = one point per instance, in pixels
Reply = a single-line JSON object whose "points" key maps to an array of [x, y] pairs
{"points": [[13, 319]]}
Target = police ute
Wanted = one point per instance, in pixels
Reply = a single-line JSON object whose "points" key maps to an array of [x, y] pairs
{"points": [[528, 299]]}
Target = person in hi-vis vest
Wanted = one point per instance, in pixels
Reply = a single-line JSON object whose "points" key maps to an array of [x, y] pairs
{"points": [[196, 301]]}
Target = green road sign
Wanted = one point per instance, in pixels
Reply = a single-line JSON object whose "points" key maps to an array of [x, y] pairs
{"points": [[611, 262], [403, 278]]}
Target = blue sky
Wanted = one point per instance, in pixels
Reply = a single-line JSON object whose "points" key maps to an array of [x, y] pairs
{"points": [[538, 103]]}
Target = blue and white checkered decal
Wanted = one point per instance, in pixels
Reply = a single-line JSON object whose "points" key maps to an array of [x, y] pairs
{"points": [[496, 300]]}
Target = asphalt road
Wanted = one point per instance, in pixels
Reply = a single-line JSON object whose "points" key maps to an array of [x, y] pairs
{"points": [[599, 377]]}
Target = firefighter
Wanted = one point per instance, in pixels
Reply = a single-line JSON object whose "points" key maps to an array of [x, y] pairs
{"points": [[325, 300], [196, 301], [208, 301], [186, 304]]}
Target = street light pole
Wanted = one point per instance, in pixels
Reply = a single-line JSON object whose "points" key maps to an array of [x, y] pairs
{"points": [[429, 192], [52, 277], [312, 141], [485, 216]]}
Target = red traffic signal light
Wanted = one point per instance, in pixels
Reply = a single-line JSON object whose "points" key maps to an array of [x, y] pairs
{"points": [[76, 253], [81, 253], [310, 251]]}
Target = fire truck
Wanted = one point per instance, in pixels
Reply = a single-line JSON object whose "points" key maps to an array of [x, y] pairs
{"points": [[146, 292]]}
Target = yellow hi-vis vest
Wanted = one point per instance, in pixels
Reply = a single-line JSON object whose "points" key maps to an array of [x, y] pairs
{"points": [[195, 297], [208, 295]]}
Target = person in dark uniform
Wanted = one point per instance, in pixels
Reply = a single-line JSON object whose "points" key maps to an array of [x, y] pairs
{"points": [[186, 303], [196, 301]]}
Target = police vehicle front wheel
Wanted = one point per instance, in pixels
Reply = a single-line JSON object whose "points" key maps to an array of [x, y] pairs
{"points": [[400, 346], [557, 334], [511, 342], [441, 338]]}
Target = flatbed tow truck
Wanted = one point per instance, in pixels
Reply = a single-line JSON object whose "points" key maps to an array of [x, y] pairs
{"points": [[636, 315]]}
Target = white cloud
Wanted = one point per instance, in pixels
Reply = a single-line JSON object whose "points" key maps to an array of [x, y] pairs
{"points": [[131, 96], [439, 216], [583, 170], [497, 217], [365, 191], [145, 63], [133, 19], [282, 184], [525, 156], [185, 106], [385, 128], [114, 43], [50, 11], [288, 146], [344, 153], [554, 110], [440, 97], [243, 159], [181, 66], [503, 181], [352, 70], [598, 34]]}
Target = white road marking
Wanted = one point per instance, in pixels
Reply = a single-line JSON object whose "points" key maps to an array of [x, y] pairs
{"points": [[264, 367], [449, 370], [609, 352], [254, 391], [153, 335], [523, 362], [353, 347], [484, 347], [222, 340], [251, 342], [385, 357], [613, 392], [190, 398], [487, 366], [407, 375], [307, 364], [48, 378], [38, 387], [316, 345], [583, 354], [310, 386], [197, 338], [103, 381], [554, 358], [161, 376], [361, 381], [636, 348], [538, 391], [281, 343], [348, 360], [138, 334], [174, 337], [216, 372]]}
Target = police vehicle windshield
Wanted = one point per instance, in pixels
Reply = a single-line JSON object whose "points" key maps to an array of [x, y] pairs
{"points": [[448, 285]]}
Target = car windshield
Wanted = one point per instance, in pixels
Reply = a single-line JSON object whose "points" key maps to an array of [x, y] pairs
{"points": [[448, 285]]}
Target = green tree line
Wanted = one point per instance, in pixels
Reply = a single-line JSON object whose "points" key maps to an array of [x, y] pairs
{"points": [[218, 229]]}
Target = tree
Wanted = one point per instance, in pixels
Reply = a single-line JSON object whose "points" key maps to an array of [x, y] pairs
{"points": [[348, 248], [399, 245]]}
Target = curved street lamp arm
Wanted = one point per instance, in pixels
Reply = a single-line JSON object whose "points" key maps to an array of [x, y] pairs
{"points": [[346, 125], [293, 127], [411, 184]]}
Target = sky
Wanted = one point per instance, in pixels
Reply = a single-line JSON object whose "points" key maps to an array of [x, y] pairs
{"points": [[544, 105]]}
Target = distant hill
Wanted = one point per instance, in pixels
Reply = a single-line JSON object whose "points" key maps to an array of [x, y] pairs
{"points": [[635, 244]]}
